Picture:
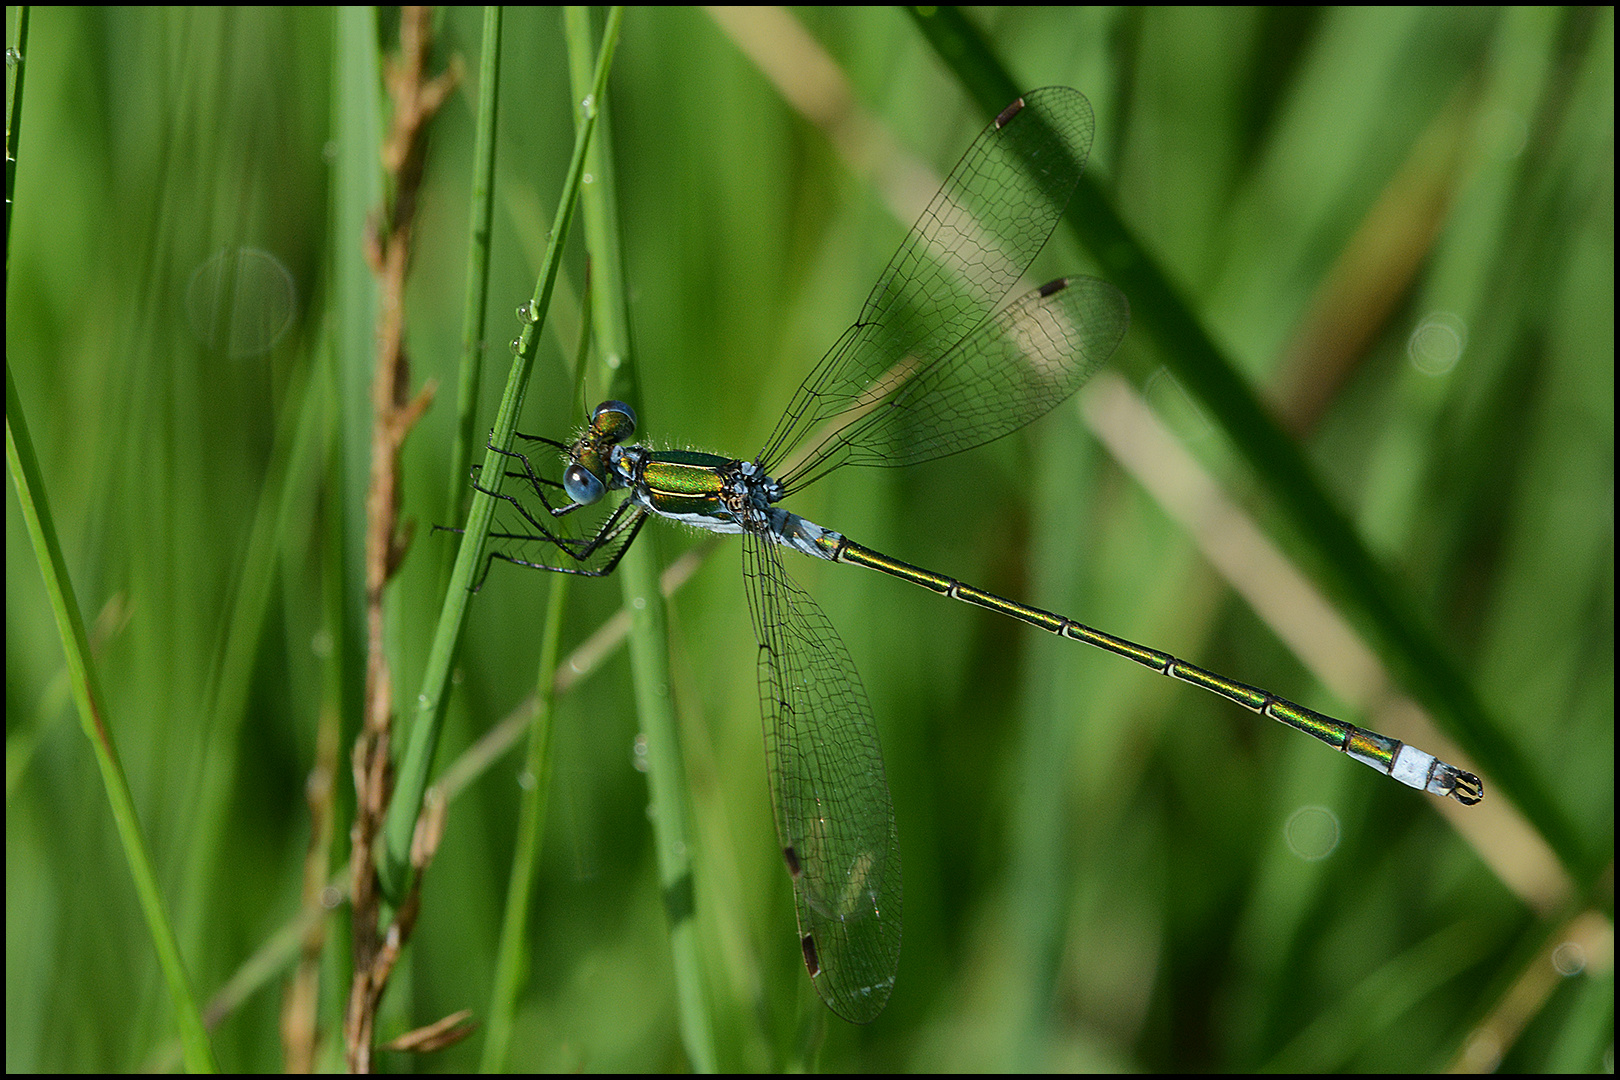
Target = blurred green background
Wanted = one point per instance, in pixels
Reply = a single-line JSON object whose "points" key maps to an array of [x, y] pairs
{"points": [[1398, 223]]}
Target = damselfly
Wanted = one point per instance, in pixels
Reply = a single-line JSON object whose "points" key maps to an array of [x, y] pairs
{"points": [[934, 365]]}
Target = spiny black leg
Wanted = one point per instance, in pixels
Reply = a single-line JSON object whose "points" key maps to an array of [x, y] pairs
{"points": [[553, 443], [613, 537], [616, 523], [544, 533], [617, 526], [536, 482]]}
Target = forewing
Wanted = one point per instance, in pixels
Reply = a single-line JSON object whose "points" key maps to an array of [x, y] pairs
{"points": [[955, 268], [1010, 370]]}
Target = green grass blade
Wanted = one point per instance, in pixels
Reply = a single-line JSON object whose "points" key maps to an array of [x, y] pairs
{"points": [[649, 636], [29, 484], [424, 734], [476, 301]]}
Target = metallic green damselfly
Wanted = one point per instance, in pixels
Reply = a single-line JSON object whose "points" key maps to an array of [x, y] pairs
{"points": [[934, 365]]}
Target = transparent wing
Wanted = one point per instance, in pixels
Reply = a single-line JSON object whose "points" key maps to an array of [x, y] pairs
{"points": [[1010, 370], [831, 800], [955, 268]]}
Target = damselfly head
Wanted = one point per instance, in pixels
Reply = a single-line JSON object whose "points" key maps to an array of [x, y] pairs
{"points": [[586, 478]]}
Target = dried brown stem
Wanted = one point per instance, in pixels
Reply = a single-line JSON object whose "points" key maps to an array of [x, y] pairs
{"points": [[395, 411]]}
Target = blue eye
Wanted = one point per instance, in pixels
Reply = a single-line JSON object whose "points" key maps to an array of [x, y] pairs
{"points": [[615, 420], [582, 485]]}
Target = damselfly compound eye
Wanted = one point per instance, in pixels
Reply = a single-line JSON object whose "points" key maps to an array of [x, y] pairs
{"points": [[582, 485], [615, 420]]}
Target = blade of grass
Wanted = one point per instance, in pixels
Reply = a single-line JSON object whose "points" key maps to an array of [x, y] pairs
{"points": [[638, 577], [424, 734], [475, 303], [289, 472], [29, 483], [14, 121], [513, 947]]}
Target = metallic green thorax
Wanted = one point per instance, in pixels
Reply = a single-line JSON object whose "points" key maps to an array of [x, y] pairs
{"points": [[684, 482], [720, 494]]}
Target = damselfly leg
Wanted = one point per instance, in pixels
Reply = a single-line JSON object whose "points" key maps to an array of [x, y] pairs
{"points": [[595, 555]]}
